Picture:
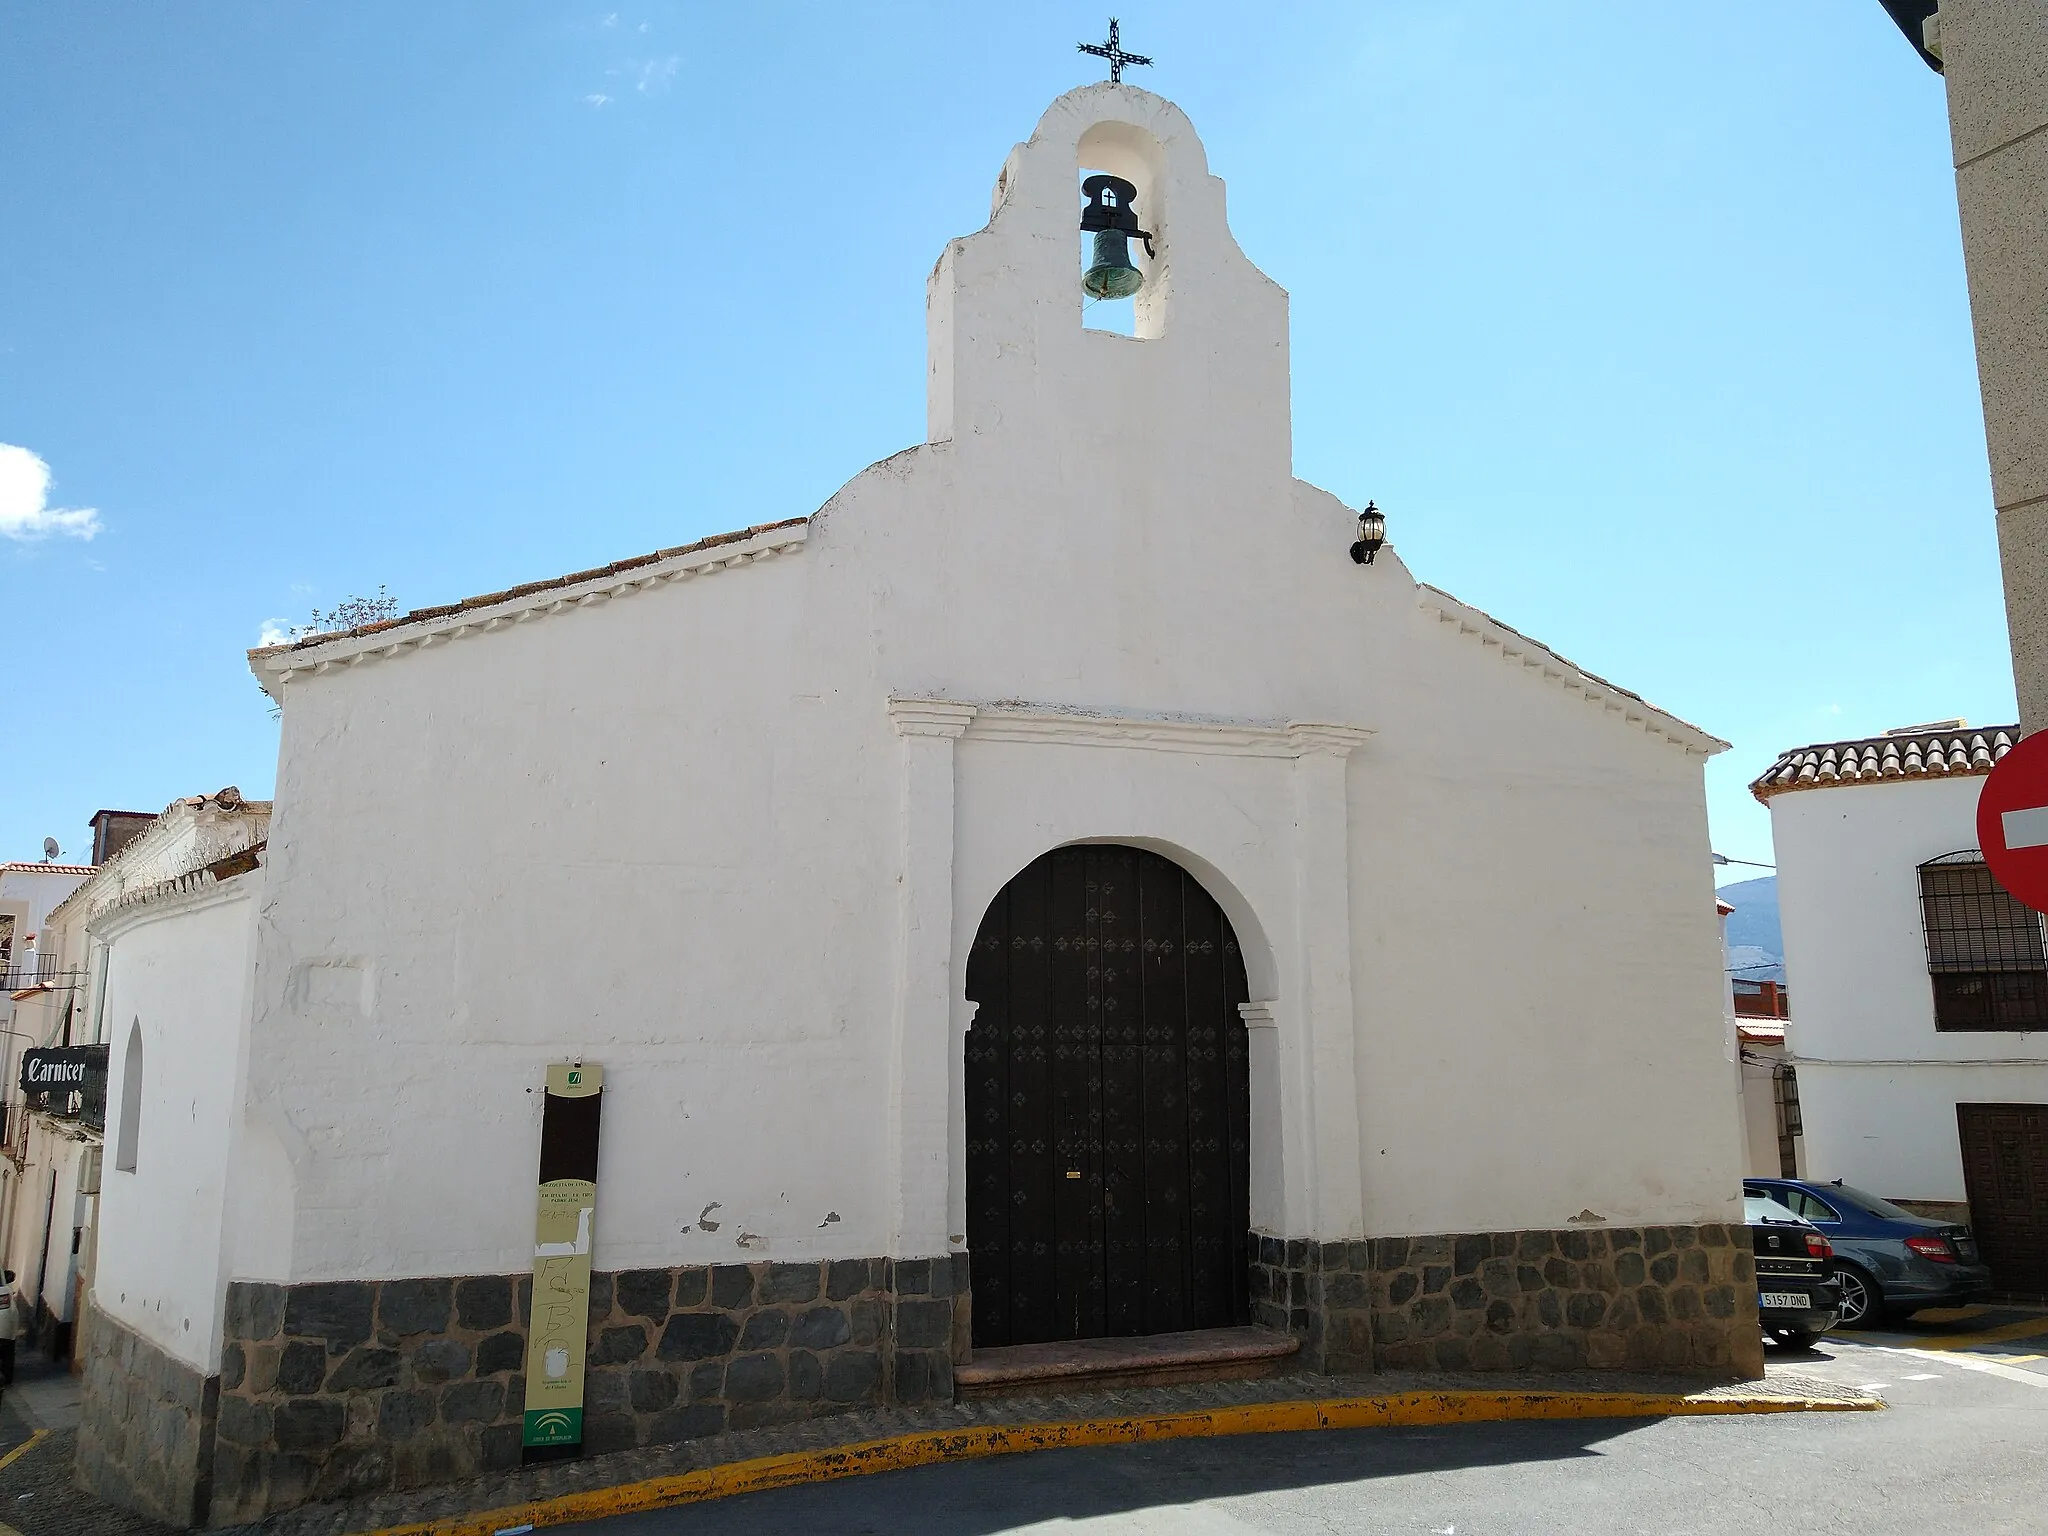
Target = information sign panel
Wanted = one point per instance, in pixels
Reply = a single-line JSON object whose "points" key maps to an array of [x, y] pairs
{"points": [[566, 1208]]}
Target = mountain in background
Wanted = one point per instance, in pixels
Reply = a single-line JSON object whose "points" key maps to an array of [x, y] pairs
{"points": [[1756, 951]]}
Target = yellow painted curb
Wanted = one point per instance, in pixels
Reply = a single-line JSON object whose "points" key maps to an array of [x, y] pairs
{"points": [[1951, 1314], [36, 1437], [925, 1447], [2028, 1328]]}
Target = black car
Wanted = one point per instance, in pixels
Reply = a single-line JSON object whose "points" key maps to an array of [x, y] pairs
{"points": [[1888, 1262], [1796, 1299]]}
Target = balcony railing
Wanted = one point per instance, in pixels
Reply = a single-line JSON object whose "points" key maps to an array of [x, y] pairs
{"points": [[40, 970]]}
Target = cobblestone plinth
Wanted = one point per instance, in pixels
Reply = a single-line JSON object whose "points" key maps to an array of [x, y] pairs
{"points": [[1664, 1298], [146, 1430], [344, 1389]]}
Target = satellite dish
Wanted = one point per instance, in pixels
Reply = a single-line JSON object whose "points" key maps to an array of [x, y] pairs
{"points": [[50, 849]]}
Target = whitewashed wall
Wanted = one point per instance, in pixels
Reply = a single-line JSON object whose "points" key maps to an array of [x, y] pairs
{"points": [[1759, 1123], [18, 1193], [177, 967], [52, 1282], [41, 1274], [1878, 1085], [28, 894], [765, 884], [1892, 1129]]}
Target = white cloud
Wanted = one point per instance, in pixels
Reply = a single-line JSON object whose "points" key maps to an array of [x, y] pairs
{"points": [[611, 19], [25, 512], [656, 75], [597, 99], [276, 632]]}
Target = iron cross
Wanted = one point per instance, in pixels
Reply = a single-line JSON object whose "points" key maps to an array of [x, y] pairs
{"points": [[1113, 50]]}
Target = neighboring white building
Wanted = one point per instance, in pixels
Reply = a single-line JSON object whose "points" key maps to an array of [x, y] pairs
{"points": [[1772, 1133], [28, 892], [1054, 873], [30, 964], [29, 973], [116, 969], [1920, 1025]]}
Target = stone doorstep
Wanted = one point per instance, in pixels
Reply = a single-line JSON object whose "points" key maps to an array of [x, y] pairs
{"points": [[1151, 1360]]}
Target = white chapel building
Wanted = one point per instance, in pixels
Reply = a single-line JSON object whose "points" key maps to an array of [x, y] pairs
{"points": [[1052, 891]]}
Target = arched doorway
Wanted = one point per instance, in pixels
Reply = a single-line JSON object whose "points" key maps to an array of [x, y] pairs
{"points": [[1108, 1104]]}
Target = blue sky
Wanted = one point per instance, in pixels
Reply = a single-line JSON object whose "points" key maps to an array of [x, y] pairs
{"points": [[1646, 325]]}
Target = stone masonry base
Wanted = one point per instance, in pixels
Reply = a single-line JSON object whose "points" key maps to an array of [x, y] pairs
{"points": [[348, 1390], [351, 1388], [146, 1425], [1673, 1298]]}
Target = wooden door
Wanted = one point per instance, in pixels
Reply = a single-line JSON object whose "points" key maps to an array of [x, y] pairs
{"points": [[1108, 1104], [2005, 1173]]}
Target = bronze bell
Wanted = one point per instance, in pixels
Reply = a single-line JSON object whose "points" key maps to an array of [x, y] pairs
{"points": [[1110, 215]]}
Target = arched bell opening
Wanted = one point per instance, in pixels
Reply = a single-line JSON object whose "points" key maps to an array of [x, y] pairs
{"points": [[1123, 234], [1108, 1103]]}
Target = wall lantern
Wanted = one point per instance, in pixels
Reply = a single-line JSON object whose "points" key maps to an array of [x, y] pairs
{"points": [[1372, 533], [1111, 218]]}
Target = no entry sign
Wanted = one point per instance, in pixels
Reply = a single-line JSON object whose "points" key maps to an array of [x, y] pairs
{"points": [[2012, 821]]}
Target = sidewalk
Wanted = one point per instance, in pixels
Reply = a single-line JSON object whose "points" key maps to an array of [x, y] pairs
{"points": [[38, 1434], [854, 1444], [39, 1415], [45, 1395]]}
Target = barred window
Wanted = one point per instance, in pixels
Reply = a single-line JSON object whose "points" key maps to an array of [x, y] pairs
{"points": [[1984, 950]]}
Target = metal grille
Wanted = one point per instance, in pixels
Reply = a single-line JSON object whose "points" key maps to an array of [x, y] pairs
{"points": [[1984, 950]]}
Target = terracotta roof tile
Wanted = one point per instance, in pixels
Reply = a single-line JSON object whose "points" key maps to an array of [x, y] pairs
{"points": [[1941, 753]]}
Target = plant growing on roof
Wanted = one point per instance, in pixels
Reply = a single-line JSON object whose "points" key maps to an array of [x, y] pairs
{"points": [[353, 613], [350, 613]]}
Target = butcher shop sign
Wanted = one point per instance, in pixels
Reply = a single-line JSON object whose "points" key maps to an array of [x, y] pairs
{"points": [[68, 1080]]}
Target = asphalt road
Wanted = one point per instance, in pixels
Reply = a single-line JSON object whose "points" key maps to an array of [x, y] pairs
{"points": [[1963, 1447]]}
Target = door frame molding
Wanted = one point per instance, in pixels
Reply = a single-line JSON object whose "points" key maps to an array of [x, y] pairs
{"points": [[1284, 885]]}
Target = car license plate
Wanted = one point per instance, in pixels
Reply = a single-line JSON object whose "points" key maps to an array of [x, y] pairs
{"points": [[1792, 1299]]}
